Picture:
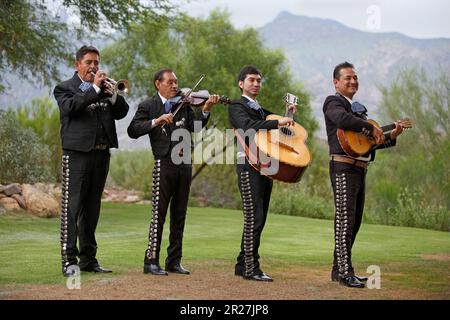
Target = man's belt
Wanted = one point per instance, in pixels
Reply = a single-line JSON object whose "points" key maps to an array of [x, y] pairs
{"points": [[101, 146], [358, 163]]}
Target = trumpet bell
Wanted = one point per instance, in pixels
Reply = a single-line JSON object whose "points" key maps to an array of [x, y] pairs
{"points": [[122, 87]]}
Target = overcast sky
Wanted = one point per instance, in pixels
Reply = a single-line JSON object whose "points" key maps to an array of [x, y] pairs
{"points": [[414, 18]]}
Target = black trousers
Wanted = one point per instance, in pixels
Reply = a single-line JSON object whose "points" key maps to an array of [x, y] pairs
{"points": [[171, 185], [348, 184], [83, 180], [255, 192]]}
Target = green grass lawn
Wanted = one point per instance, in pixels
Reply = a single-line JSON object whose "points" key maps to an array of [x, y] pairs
{"points": [[416, 258]]}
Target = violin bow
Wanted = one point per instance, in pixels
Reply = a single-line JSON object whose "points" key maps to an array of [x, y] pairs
{"points": [[182, 103], [189, 93]]}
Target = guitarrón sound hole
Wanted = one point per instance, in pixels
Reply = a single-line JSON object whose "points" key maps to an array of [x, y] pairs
{"points": [[286, 131]]}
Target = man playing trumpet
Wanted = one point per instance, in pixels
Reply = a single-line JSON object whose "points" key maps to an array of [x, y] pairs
{"points": [[89, 104]]}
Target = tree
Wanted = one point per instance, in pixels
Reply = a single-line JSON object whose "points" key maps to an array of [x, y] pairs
{"points": [[425, 101], [411, 182], [210, 46], [34, 38]]}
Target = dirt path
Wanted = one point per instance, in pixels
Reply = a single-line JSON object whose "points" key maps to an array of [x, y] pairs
{"points": [[205, 284]]}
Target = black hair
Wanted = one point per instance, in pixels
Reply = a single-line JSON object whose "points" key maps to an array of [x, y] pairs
{"points": [[159, 75], [245, 71], [85, 50], [337, 69]]}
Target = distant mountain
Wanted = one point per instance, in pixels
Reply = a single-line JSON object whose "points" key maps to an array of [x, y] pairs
{"points": [[313, 47]]}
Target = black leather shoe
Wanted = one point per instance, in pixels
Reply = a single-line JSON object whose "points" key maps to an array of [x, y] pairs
{"points": [[351, 282], [361, 279], [177, 268], [154, 269], [335, 277], [97, 269], [259, 277], [241, 271]]}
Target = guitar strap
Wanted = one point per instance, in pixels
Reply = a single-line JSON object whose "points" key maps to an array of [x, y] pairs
{"points": [[251, 157]]}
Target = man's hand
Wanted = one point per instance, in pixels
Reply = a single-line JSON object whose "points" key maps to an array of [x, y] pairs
{"points": [[292, 107], [397, 131], [378, 135], [165, 118], [99, 77], [285, 121], [213, 99]]}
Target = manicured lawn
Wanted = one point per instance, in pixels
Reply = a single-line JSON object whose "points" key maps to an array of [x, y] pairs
{"points": [[415, 258]]}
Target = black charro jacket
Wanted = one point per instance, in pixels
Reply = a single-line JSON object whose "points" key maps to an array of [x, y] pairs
{"points": [[81, 114], [243, 117], [153, 108], [338, 114]]}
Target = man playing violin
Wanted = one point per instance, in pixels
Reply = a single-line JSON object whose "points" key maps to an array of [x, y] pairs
{"points": [[348, 174], [246, 114], [88, 111], [171, 179]]}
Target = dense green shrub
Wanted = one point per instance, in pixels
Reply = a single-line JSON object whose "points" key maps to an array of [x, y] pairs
{"points": [[43, 117], [132, 170], [216, 186], [312, 195], [23, 158], [409, 184]]}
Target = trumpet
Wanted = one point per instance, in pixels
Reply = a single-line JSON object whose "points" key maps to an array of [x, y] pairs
{"points": [[111, 86], [121, 87]]}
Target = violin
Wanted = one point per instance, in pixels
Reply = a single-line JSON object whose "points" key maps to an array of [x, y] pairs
{"points": [[195, 99], [198, 98]]}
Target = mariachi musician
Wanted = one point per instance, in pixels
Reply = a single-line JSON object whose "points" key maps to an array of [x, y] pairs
{"points": [[348, 173], [89, 104], [254, 187], [171, 177]]}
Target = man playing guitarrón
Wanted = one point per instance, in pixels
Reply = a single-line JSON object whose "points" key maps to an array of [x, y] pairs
{"points": [[246, 114]]}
